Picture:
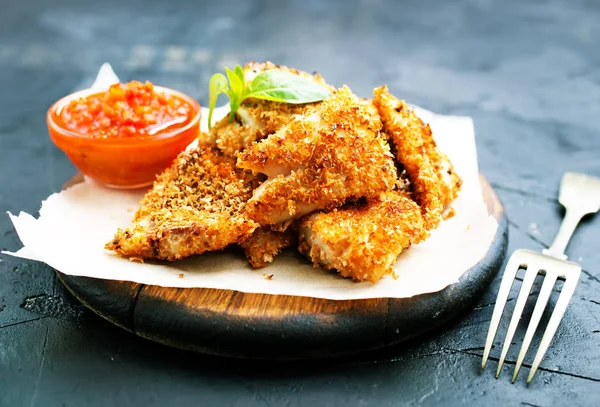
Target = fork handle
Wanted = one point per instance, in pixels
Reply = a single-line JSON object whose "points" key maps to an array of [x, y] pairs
{"points": [[567, 227]]}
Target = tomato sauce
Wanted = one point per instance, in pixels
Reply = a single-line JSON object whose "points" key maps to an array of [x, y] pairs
{"points": [[125, 136], [126, 110]]}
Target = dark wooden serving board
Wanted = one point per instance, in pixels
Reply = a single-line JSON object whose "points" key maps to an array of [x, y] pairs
{"points": [[236, 324]]}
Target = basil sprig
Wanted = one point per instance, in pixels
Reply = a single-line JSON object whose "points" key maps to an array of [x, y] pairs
{"points": [[273, 85]]}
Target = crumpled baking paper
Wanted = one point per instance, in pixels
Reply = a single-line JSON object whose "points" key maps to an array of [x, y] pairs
{"points": [[73, 226]]}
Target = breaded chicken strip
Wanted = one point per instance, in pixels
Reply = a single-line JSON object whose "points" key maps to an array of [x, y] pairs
{"points": [[195, 206], [363, 241], [319, 161], [256, 119], [431, 174], [264, 244]]}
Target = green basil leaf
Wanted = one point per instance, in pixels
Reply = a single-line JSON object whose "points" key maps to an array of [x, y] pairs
{"points": [[237, 85], [217, 85], [273, 85], [285, 87], [240, 73]]}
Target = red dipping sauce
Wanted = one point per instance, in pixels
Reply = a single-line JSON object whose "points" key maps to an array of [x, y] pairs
{"points": [[126, 110], [126, 135]]}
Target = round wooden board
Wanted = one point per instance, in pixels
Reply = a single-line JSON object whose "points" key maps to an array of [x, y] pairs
{"points": [[236, 324]]}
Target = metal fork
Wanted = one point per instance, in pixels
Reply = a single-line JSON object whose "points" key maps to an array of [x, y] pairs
{"points": [[580, 195]]}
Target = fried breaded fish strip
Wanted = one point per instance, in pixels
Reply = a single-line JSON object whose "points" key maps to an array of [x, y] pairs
{"points": [[195, 206], [431, 174], [319, 161], [264, 244], [256, 119], [363, 241]]}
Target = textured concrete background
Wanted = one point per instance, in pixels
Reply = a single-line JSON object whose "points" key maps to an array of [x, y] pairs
{"points": [[527, 74]]}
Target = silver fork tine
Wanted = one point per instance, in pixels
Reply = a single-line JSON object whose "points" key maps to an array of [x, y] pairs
{"points": [[540, 305], [507, 281], [557, 314], [532, 272]]}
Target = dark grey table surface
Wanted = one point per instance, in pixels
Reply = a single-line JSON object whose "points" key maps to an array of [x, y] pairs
{"points": [[527, 74]]}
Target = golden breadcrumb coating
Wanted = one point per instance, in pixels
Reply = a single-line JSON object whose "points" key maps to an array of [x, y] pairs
{"points": [[319, 161], [370, 108], [256, 119], [432, 176], [195, 206], [363, 241], [264, 244]]}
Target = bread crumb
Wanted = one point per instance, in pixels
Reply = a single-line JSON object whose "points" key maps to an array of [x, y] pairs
{"points": [[181, 275], [468, 227], [268, 276], [449, 213]]}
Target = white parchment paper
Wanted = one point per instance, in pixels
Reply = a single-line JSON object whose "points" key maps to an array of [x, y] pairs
{"points": [[73, 226]]}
